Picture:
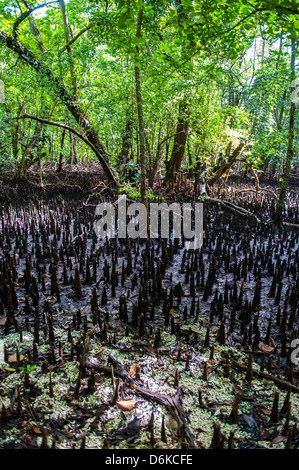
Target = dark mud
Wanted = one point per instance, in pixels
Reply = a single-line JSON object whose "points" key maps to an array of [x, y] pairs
{"points": [[174, 318]]}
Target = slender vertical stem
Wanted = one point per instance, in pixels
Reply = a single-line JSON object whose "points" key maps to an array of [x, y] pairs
{"points": [[140, 113], [68, 37], [289, 154]]}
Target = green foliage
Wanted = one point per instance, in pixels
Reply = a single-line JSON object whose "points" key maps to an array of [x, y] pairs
{"points": [[134, 193], [131, 171], [150, 196], [131, 191], [28, 368], [230, 62]]}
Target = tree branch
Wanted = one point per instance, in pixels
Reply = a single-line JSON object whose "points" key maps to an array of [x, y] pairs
{"points": [[87, 28], [168, 137], [264, 375], [68, 100], [78, 134], [225, 166], [25, 15], [232, 207]]}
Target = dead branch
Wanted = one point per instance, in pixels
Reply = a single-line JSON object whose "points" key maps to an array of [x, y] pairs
{"points": [[103, 187], [232, 207], [226, 165], [265, 375], [172, 404], [257, 183], [291, 226]]}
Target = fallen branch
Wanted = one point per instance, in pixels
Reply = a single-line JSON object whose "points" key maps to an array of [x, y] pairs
{"points": [[172, 404], [244, 212], [103, 187], [291, 226], [232, 207], [257, 182], [259, 189], [265, 375]]}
